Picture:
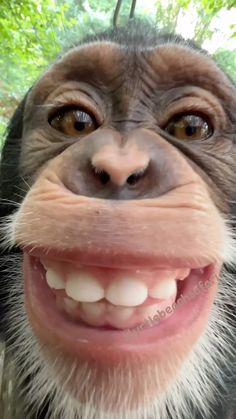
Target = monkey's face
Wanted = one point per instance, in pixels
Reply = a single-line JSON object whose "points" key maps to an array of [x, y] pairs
{"points": [[130, 159]]}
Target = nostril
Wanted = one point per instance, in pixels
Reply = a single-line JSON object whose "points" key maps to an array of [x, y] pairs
{"points": [[104, 177], [135, 177], [101, 175]]}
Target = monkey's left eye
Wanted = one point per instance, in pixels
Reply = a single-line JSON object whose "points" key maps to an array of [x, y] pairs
{"points": [[189, 127], [74, 122]]}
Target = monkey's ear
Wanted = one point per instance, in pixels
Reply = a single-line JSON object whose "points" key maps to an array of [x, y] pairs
{"points": [[9, 165]]}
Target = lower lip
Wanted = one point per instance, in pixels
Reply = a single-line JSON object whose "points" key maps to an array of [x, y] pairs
{"points": [[182, 328]]}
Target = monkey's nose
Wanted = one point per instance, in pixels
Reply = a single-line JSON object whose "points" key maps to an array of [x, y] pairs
{"points": [[120, 168]]}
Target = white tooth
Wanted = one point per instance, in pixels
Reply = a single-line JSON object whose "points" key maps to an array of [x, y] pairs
{"points": [[84, 287], [49, 264], [71, 308], [93, 310], [71, 305], [183, 273], [44, 263], [92, 313], [127, 292], [163, 289], [54, 280], [149, 311], [55, 265], [121, 314]]}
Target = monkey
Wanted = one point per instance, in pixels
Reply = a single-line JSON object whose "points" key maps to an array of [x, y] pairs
{"points": [[117, 183]]}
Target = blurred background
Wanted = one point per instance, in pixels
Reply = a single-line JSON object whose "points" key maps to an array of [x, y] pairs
{"points": [[34, 32]]}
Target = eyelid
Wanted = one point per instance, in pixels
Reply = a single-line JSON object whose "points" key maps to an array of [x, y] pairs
{"points": [[181, 115], [189, 112], [209, 111], [64, 109], [78, 101]]}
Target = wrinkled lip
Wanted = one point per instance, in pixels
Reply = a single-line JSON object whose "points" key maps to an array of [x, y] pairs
{"points": [[54, 328], [117, 259]]}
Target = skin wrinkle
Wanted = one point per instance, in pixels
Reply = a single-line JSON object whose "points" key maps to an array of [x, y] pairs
{"points": [[180, 172], [110, 51]]}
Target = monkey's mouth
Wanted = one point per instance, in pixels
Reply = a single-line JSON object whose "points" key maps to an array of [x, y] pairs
{"points": [[79, 307]]}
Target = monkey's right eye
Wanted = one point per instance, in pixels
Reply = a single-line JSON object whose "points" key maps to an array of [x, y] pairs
{"points": [[73, 122]]}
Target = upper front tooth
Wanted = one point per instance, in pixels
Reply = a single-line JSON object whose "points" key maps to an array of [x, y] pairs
{"points": [[44, 263], [84, 287], [54, 280], [126, 292], [163, 289], [183, 273]]}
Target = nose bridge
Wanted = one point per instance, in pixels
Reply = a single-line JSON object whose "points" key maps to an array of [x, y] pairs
{"points": [[121, 162]]}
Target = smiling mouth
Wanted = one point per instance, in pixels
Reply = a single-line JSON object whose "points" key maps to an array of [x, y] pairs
{"points": [[88, 309], [114, 298]]}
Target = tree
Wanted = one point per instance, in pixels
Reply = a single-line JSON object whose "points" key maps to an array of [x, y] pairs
{"points": [[28, 42], [227, 61], [33, 32]]}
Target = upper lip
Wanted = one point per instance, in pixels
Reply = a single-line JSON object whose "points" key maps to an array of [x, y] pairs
{"points": [[174, 231], [119, 260]]}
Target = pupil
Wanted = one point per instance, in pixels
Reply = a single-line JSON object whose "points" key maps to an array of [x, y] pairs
{"points": [[190, 130], [79, 126]]}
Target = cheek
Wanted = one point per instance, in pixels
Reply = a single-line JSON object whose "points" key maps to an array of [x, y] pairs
{"points": [[183, 224]]}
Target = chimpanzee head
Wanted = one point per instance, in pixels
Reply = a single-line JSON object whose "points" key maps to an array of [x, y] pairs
{"points": [[118, 190]]}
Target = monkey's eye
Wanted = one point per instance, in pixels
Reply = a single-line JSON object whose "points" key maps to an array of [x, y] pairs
{"points": [[189, 127], [73, 122]]}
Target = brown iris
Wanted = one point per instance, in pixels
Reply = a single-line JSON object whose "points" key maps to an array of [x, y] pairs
{"points": [[189, 127], [74, 122]]}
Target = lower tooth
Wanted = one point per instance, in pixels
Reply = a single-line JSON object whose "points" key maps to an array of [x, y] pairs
{"points": [[156, 313], [120, 314], [93, 309], [70, 304], [149, 311], [101, 314], [92, 313], [71, 308]]}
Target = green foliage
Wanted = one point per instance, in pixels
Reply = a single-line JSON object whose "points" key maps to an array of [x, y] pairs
{"points": [[28, 33], [28, 36], [33, 32], [227, 61], [167, 13], [215, 5]]}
